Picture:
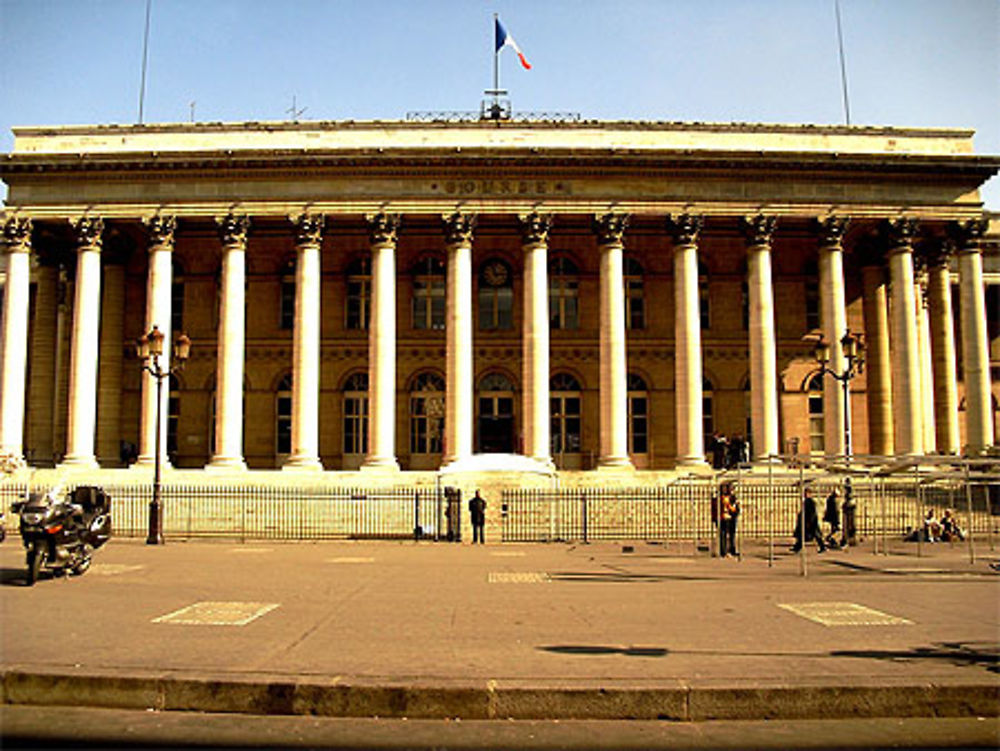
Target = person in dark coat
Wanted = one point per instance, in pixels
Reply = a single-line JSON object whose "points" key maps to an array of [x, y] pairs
{"points": [[477, 513], [729, 512], [831, 515], [811, 527], [850, 508]]}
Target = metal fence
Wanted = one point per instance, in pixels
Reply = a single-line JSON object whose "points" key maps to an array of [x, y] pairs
{"points": [[683, 510], [275, 512]]}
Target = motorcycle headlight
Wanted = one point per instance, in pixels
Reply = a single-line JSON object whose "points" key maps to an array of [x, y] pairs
{"points": [[32, 518]]}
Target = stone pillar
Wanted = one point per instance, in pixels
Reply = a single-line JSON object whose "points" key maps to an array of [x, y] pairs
{"points": [[926, 362], [942, 332], [458, 415], [159, 281], [906, 393], [228, 452], [14, 334], [975, 345], [833, 311], [306, 344], [535, 339], [613, 358], [878, 368], [382, 233], [109, 374], [85, 345], [763, 348], [688, 379], [41, 390]]}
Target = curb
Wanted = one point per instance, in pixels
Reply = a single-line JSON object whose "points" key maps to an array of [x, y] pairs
{"points": [[492, 700]]}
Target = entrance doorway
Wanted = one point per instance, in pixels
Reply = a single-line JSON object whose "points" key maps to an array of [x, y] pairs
{"points": [[496, 415]]}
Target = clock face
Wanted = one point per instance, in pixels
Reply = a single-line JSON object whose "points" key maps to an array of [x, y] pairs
{"points": [[495, 274]]}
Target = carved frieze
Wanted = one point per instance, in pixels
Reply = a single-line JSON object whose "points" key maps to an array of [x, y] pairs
{"points": [[17, 234]]}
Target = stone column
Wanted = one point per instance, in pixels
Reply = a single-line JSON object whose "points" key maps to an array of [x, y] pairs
{"points": [[14, 334], [109, 373], [926, 363], [833, 310], [535, 339], [382, 233], [975, 345], [458, 415], [906, 394], [228, 452], [85, 345], [306, 344], [688, 379], [943, 346], [763, 348], [159, 281], [878, 380], [41, 390], [613, 358]]}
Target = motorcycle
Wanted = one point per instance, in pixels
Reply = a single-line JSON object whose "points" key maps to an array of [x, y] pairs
{"points": [[60, 532]]}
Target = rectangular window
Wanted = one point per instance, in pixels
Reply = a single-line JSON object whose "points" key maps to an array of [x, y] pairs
{"points": [[357, 304]]}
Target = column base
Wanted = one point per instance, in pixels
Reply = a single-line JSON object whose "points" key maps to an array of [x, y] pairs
{"points": [[226, 463], [78, 461], [697, 464], [302, 464], [376, 464], [615, 463], [149, 463]]}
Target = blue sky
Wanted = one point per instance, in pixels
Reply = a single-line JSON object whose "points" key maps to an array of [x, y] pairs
{"points": [[909, 62]]}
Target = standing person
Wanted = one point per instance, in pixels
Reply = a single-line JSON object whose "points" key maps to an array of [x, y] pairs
{"points": [[831, 515], [850, 508], [811, 526], [729, 511], [477, 512]]}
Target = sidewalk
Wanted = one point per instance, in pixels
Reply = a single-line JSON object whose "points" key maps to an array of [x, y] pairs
{"points": [[497, 631]]}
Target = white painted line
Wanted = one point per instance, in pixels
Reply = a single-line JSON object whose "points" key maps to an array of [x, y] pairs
{"points": [[509, 554], [348, 559], [252, 550], [218, 613], [518, 577], [843, 614], [114, 569]]}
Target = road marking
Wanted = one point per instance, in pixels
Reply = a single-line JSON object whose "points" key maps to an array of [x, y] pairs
{"points": [[218, 613], [348, 559], [843, 614], [518, 577], [113, 569], [509, 554], [252, 550]]}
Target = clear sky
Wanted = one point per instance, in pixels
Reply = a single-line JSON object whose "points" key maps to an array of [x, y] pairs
{"points": [[909, 62]]}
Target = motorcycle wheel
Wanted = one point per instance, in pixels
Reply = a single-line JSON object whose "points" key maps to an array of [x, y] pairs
{"points": [[81, 566], [36, 558]]}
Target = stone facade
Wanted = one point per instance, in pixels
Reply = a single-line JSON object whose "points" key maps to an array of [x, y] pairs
{"points": [[401, 295]]}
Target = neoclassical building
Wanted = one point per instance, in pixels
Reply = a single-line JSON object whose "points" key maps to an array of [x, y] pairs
{"points": [[401, 295]]}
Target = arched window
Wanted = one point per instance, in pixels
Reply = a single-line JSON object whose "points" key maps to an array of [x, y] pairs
{"points": [[496, 414], [816, 421], [638, 415], [173, 416], [564, 290], [177, 299], [635, 303], [565, 403], [426, 414], [812, 296], [283, 417], [359, 290], [286, 315], [707, 409], [704, 301], [428, 294], [355, 396], [496, 296]]}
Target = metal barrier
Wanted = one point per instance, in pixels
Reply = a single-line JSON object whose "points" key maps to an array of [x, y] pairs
{"points": [[276, 512]]}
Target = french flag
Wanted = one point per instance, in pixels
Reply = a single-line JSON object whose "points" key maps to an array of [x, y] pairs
{"points": [[504, 39]]}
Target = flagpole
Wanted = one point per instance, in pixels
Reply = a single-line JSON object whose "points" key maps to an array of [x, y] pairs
{"points": [[843, 67], [496, 62], [145, 56]]}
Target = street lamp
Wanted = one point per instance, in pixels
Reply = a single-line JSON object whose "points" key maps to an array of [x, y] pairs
{"points": [[149, 348], [853, 348]]}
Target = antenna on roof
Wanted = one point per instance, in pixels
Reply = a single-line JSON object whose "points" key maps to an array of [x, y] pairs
{"points": [[843, 67], [145, 57], [293, 112]]}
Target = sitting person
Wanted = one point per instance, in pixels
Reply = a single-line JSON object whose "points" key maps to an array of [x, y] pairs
{"points": [[932, 528], [949, 527]]}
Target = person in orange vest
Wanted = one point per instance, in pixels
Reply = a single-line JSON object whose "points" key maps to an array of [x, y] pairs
{"points": [[729, 512]]}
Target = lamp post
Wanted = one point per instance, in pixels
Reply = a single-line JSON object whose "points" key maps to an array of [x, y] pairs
{"points": [[854, 354], [149, 348]]}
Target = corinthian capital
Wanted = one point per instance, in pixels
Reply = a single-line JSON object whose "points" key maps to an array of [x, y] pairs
{"points": [[830, 230], [684, 228], [233, 228], [758, 229], [967, 233], [900, 233], [160, 229], [17, 234], [458, 228], [308, 228], [88, 231], [610, 228], [535, 228], [383, 228]]}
